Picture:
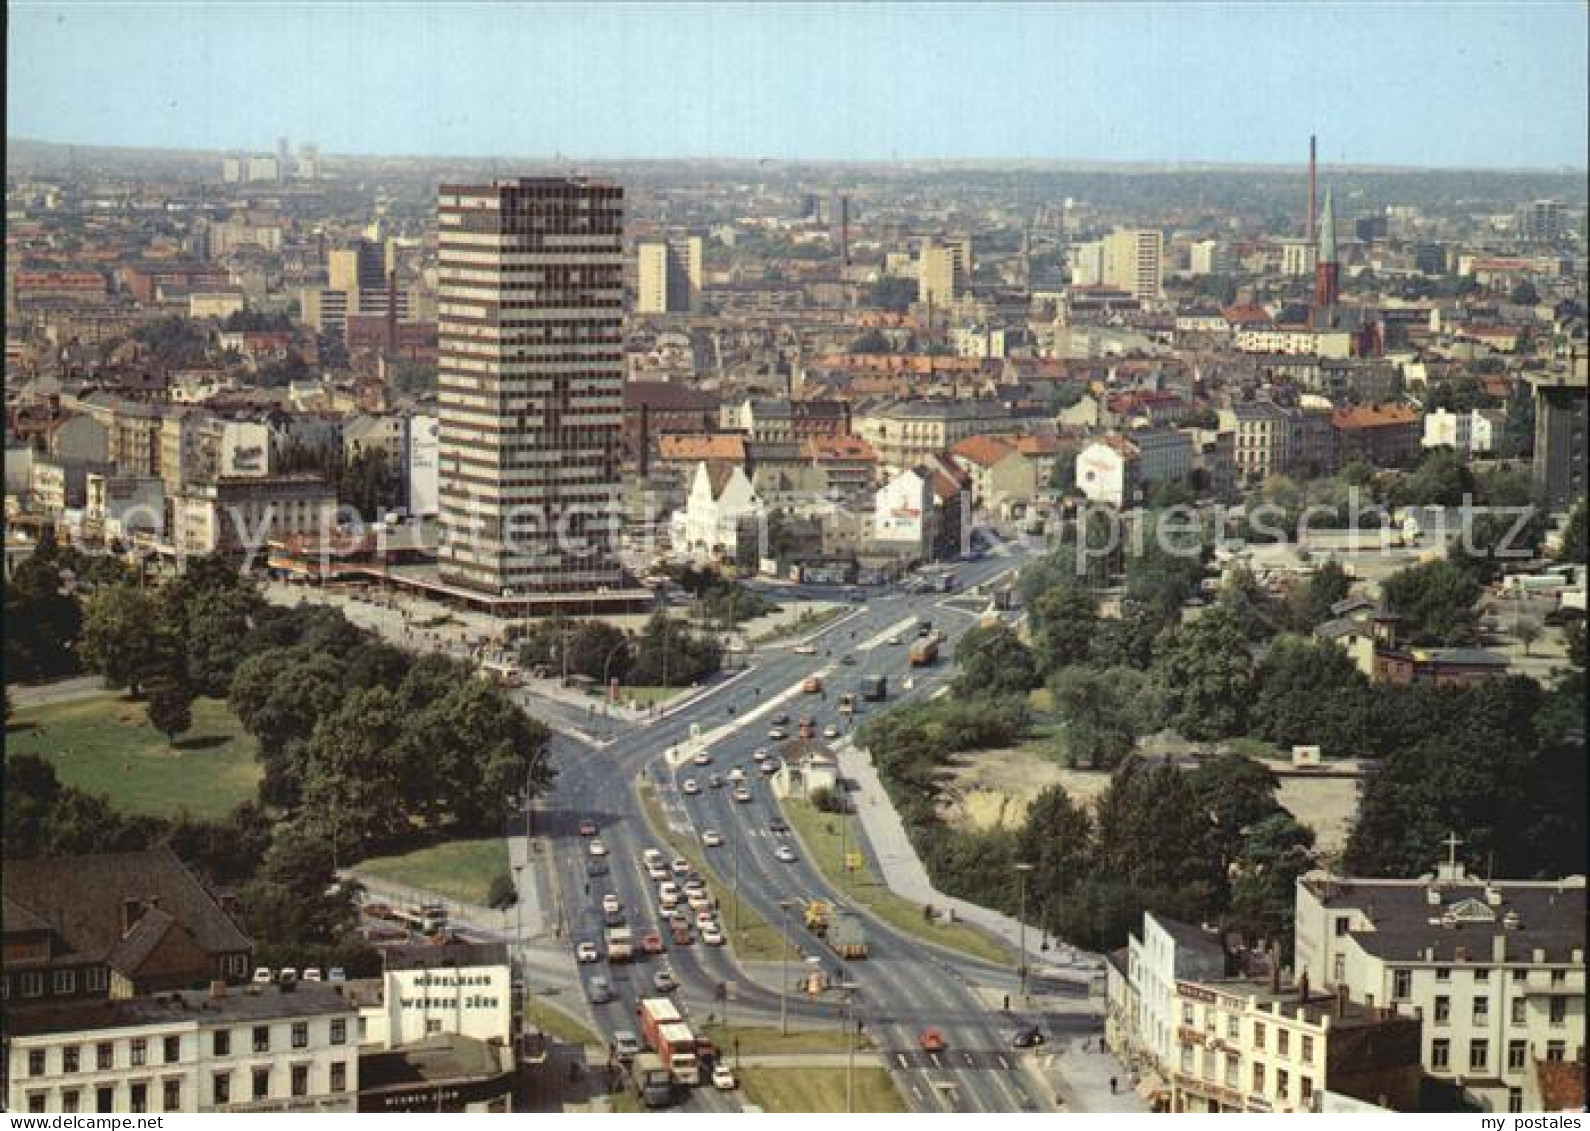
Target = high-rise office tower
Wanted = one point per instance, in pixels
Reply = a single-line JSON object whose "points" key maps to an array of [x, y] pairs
{"points": [[941, 272], [530, 384], [668, 276], [1133, 261]]}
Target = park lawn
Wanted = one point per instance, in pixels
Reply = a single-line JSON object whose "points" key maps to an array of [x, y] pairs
{"points": [[644, 695], [459, 870], [766, 1040], [105, 745], [821, 834], [558, 1025], [819, 1089], [754, 938]]}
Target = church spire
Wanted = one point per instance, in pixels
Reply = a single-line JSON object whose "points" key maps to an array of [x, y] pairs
{"points": [[1327, 230]]}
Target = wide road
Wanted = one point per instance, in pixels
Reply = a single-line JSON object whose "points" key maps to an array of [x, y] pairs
{"points": [[905, 985]]}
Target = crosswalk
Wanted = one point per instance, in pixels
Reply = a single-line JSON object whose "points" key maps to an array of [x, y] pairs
{"points": [[989, 1060]]}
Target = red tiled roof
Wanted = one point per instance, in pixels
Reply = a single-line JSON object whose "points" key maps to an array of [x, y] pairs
{"points": [[1390, 416], [985, 451], [695, 447]]}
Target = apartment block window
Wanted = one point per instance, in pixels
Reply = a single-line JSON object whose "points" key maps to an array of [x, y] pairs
{"points": [[339, 1032], [1231, 1071], [138, 1097], [1187, 1059], [1258, 1078], [1443, 1010], [1211, 1020], [105, 1098], [173, 1049], [262, 1083], [221, 1042], [339, 1077], [35, 1062], [300, 1034], [70, 1100], [1518, 1010], [1186, 1013], [69, 1058], [1308, 1050], [1305, 1088], [1558, 977], [1479, 1055], [1515, 1099], [1282, 1082], [171, 1100], [32, 984], [140, 1051], [1557, 1010], [1440, 1053], [104, 1055], [1556, 1050], [300, 1079], [1516, 1052], [262, 1038], [1482, 1010], [1341, 925], [1339, 968], [1443, 973], [1520, 974], [97, 978], [223, 1088], [1482, 974], [36, 1103], [1401, 984], [1233, 1026], [1258, 1034], [65, 981]]}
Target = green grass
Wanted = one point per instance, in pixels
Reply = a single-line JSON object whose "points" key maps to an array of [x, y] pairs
{"points": [[1250, 747], [766, 1040], [105, 744], [755, 938], [821, 834], [460, 870], [645, 695], [559, 1025], [819, 1089]]}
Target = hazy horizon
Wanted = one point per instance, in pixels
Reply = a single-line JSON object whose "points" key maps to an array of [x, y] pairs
{"points": [[1390, 86]]}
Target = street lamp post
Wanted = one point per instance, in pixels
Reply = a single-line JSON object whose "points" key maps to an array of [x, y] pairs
{"points": [[850, 989], [1021, 921], [783, 970]]}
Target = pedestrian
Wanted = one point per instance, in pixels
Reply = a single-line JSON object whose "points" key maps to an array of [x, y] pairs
{"points": [[1112, 1085], [1007, 1003]]}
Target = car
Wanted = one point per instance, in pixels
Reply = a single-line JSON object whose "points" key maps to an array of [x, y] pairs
{"points": [[848, 660], [702, 758], [262, 975], [596, 867], [781, 720], [668, 894], [610, 903], [778, 825], [690, 787], [830, 731], [657, 872], [587, 952], [681, 934], [737, 774], [778, 734], [712, 838], [695, 884], [312, 974], [715, 781], [785, 853], [712, 934], [761, 754], [1029, 1038], [651, 942], [806, 649], [598, 848], [613, 918], [812, 685], [742, 795], [599, 992], [587, 828], [896, 641], [287, 975], [680, 866], [722, 1077], [770, 767], [931, 1040], [336, 974], [626, 1044], [654, 856], [664, 982], [700, 901]]}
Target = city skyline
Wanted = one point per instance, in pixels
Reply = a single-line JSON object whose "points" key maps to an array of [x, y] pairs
{"points": [[1381, 85]]}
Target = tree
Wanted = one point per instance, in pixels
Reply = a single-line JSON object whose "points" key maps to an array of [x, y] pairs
{"points": [[1524, 294], [117, 638], [1245, 598], [893, 293], [993, 661], [44, 622], [1275, 853], [1490, 539], [1441, 480], [1204, 671], [1056, 838], [369, 485], [1576, 534], [1064, 623], [1100, 727], [1312, 694], [296, 897], [669, 654], [502, 894], [1152, 831], [872, 341], [1527, 631], [1309, 602], [1235, 793], [351, 791], [1435, 603], [170, 707], [215, 624]]}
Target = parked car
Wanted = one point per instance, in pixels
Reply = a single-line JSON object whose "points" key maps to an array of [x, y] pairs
{"points": [[722, 1077], [626, 1044], [778, 734], [830, 731], [262, 975], [587, 952]]}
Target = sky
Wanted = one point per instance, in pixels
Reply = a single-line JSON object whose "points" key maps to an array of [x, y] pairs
{"points": [[1494, 85]]}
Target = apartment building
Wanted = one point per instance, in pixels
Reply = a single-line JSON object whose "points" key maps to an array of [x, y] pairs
{"points": [[1133, 261], [1261, 438], [241, 514], [1495, 969], [668, 275], [903, 433]]}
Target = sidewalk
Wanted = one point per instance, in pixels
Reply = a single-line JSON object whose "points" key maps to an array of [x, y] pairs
{"points": [[1081, 1080], [56, 691], [905, 874]]}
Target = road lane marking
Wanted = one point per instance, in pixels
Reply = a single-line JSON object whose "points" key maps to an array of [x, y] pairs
{"points": [[888, 633]]}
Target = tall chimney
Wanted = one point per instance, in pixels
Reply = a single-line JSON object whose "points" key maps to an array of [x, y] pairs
{"points": [[1313, 204]]}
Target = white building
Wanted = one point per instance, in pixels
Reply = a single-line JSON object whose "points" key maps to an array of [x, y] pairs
{"points": [[464, 990], [250, 1048], [1496, 969], [1141, 1025], [1334, 344], [1211, 257], [902, 512], [1467, 433], [721, 504], [1107, 471], [1087, 264], [245, 449], [1134, 262], [419, 465]]}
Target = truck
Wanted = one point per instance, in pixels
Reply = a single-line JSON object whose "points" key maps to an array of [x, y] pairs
{"points": [[875, 688], [666, 1034], [426, 918], [846, 935], [620, 944], [653, 1083], [924, 652]]}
